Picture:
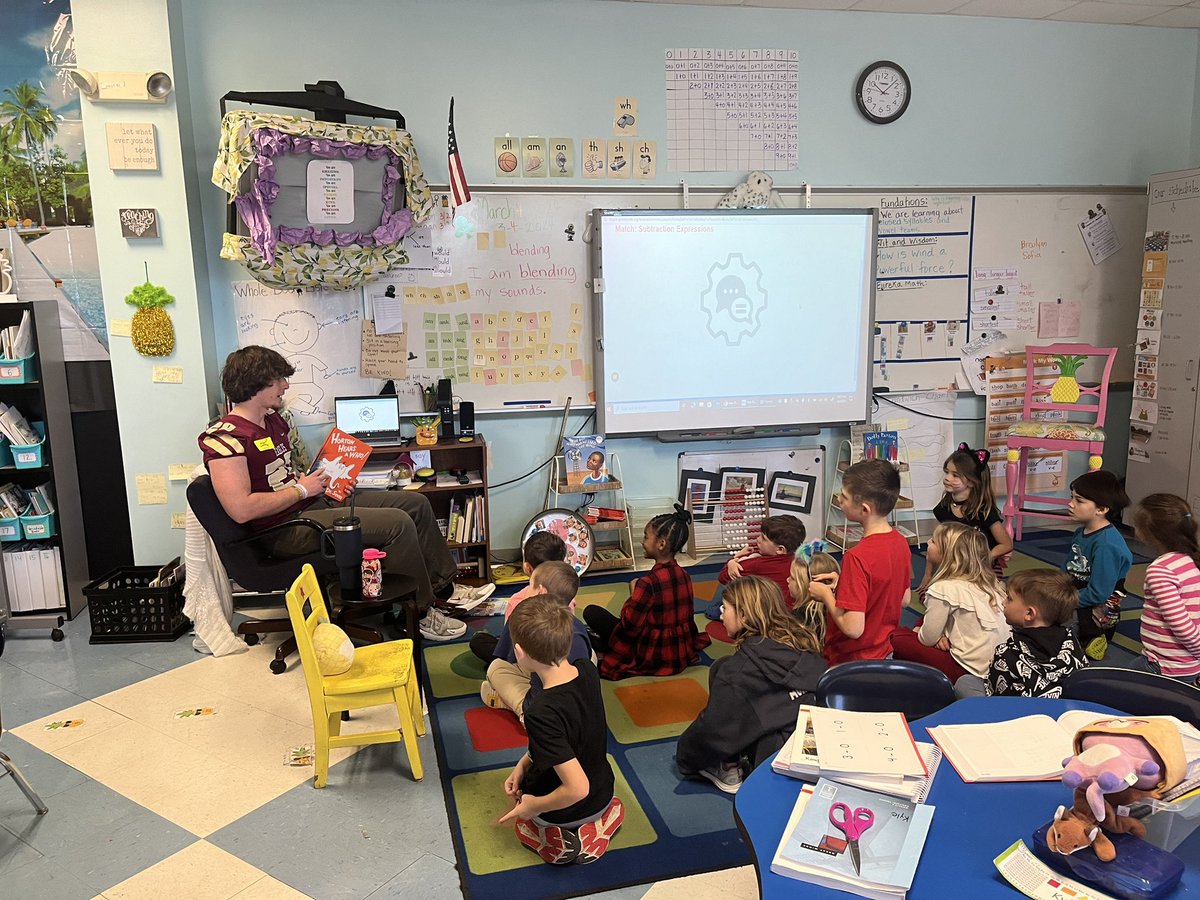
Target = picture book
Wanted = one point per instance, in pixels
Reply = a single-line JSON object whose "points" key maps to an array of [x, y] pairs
{"points": [[342, 457], [853, 840], [881, 445], [586, 459], [866, 743]]}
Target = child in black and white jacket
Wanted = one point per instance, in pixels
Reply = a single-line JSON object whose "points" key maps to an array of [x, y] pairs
{"points": [[1041, 652]]}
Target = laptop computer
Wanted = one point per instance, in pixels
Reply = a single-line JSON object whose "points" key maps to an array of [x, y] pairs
{"points": [[373, 420]]}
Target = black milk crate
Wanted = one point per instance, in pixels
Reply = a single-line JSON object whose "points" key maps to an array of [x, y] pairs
{"points": [[124, 610]]}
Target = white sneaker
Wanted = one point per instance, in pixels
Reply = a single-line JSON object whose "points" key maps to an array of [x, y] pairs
{"points": [[436, 627], [466, 598]]}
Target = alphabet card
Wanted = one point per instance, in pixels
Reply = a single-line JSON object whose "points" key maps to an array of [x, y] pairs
{"points": [[645, 165], [595, 157], [562, 157], [625, 112], [618, 159], [533, 157], [506, 157]]}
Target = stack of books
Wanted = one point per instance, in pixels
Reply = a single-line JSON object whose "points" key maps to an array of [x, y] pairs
{"points": [[376, 475], [14, 501], [465, 525], [33, 576], [14, 426], [908, 776]]}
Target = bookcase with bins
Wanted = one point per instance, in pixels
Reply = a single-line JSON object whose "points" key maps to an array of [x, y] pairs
{"points": [[613, 538], [473, 556], [844, 534], [37, 388]]}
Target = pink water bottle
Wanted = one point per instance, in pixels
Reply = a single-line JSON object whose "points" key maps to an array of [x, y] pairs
{"points": [[372, 575]]}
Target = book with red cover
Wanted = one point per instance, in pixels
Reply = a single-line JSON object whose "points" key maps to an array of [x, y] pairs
{"points": [[342, 457]]}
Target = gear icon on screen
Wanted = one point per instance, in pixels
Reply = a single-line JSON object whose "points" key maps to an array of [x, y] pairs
{"points": [[734, 299]]}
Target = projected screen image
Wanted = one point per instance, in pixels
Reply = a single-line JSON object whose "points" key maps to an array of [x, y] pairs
{"points": [[733, 318]]}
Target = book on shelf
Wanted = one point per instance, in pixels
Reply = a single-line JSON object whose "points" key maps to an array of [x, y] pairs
{"points": [[815, 850], [13, 500], [799, 758], [16, 428], [585, 459], [342, 458], [881, 445], [1032, 748]]}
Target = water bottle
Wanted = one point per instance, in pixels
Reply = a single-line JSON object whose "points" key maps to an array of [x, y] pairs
{"points": [[372, 574], [1112, 610]]}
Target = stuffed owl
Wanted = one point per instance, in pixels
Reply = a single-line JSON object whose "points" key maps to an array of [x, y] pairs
{"points": [[756, 192]]}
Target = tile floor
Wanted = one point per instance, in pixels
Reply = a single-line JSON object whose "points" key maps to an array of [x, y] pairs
{"points": [[145, 804]]}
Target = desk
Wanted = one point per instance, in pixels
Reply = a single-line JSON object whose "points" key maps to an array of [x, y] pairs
{"points": [[972, 823]]}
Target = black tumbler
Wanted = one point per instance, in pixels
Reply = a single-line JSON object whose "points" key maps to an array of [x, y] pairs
{"points": [[343, 543]]}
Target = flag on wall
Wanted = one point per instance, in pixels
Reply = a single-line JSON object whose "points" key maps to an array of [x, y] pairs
{"points": [[460, 193]]}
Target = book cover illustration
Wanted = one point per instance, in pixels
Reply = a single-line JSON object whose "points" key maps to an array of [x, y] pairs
{"points": [[881, 445], [888, 850], [586, 459], [342, 457]]}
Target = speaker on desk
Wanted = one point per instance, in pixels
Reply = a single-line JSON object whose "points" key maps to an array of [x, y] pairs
{"points": [[466, 418], [445, 408]]}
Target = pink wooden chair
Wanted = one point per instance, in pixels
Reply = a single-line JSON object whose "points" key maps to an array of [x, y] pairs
{"points": [[1084, 407]]}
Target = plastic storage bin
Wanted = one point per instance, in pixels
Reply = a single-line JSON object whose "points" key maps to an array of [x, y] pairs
{"points": [[10, 529], [38, 528], [29, 456], [125, 610], [18, 371], [6, 459], [1171, 827]]}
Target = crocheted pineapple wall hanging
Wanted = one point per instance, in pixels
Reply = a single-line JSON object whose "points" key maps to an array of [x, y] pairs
{"points": [[152, 331]]}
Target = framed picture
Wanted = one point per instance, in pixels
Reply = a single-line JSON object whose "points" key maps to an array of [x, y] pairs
{"points": [[739, 479], [791, 493], [698, 486]]}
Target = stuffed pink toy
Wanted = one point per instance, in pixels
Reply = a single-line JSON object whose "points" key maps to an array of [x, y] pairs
{"points": [[1108, 763]]}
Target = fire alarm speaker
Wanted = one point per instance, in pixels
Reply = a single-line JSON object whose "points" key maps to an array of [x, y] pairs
{"points": [[466, 418], [445, 408]]}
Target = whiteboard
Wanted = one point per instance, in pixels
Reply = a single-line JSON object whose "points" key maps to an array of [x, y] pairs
{"points": [[523, 253]]}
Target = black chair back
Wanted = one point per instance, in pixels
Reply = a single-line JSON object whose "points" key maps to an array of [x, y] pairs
{"points": [[885, 685], [246, 561], [1135, 693]]}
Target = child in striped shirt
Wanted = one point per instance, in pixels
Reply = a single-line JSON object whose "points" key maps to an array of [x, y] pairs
{"points": [[1171, 617]]}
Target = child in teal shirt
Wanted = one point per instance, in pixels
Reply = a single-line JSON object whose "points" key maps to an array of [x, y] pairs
{"points": [[1099, 558]]}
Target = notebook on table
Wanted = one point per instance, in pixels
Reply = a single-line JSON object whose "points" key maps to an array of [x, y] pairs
{"points": [[374, 420]]}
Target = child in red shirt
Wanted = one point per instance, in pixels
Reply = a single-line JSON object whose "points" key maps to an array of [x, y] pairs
{"points": [[876, 572], [768, 555]]}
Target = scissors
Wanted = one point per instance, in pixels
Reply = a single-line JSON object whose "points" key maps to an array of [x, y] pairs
{"points": [[853, 824]]}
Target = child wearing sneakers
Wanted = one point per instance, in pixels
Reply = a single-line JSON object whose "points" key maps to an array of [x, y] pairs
{"points": [[876, 572], [540, 547], [1099, 558], [564, 809], [508, 685], [769, 555]]}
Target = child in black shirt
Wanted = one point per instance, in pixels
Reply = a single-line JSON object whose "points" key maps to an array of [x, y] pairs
{"points": [[563, 786]]}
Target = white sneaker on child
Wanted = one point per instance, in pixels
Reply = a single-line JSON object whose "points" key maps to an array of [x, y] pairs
{"points": [[436, 627]]}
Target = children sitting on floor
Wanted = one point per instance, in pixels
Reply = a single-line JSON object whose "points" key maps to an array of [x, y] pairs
{"points": [[540, 547], [964, 609], [754, 694], [1040, 653], [808, 562], [656, 633], [769, 555], [508, 685], [1171, 616], [876, 572], [1099, 558], [562, 788]]}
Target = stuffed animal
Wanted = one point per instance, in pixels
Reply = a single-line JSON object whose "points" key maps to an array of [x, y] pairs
{"points": [[1109, 763], [756, 192]]}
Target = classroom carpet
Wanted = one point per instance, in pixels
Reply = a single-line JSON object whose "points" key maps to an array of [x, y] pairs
{"points": [[673, 826]]}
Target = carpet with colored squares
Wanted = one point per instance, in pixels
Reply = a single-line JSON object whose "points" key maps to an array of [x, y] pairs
{"points": [[672, 826]]}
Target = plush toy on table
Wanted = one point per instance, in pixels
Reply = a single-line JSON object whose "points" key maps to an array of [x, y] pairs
{"points": [[756, 192], [1117, 762]]}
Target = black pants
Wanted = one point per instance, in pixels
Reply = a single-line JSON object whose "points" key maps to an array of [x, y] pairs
{"points": [[483, 644], [1089, 630], [601, 622]]}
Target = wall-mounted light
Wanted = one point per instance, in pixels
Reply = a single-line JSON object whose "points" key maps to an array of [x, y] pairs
{"points": [[134, 87]]}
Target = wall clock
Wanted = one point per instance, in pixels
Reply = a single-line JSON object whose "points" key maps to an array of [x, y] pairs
{"points": [[883, 92]]}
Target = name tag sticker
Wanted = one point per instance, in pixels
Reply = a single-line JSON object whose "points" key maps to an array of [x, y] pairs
{"points": [[265, 444]]}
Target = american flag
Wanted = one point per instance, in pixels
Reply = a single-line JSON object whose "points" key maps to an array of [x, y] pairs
{"points": [[460, 193]]}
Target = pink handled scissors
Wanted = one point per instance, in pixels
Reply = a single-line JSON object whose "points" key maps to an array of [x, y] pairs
{"points": [[853, 824]]}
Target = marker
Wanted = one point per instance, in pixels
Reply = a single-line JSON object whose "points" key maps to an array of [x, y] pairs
{"points": [[537, 404]]}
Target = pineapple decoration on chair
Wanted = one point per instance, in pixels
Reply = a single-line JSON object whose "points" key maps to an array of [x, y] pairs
{"points": [[1066, 387], [151, 330]]}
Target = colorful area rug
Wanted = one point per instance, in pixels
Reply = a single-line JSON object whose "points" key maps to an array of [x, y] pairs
{"points": [[673, 827]]}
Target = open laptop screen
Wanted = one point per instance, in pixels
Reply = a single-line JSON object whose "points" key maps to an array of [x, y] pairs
{"points": [[366, 416]]}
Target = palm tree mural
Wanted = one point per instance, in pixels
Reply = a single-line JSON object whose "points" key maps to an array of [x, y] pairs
{"points": [[28, 124]]}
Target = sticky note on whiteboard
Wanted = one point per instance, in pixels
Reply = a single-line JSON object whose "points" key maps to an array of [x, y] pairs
{"points": [[178, 520], [167, 375]]}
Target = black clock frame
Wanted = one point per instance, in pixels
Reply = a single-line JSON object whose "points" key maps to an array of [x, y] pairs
{"points": [[862, 80]]}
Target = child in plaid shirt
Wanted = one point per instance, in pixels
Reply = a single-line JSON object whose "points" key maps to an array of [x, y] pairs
{"points": [[656, 633]]}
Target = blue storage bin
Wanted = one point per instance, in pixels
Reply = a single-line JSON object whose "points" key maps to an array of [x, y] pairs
{"points": [[29, 456], [18, 371], [10, 529], [6, 459], [38, 528]]}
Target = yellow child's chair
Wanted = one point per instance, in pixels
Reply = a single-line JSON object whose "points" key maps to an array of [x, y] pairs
{"points": [[381, 674]]}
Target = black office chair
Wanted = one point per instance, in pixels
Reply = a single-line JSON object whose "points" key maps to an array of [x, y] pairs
{"points": [[885, 685], [1136, 693]]}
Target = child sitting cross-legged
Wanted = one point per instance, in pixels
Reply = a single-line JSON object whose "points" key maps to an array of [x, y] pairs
{"points": [[754, 694], [540, 547], [509, 685], [876, 572], [562, 787], [769, 555], [1040, 654], [964, 609], [810, 561]]}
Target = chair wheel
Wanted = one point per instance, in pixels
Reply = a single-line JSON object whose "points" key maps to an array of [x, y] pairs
{"points": [[345, 715], [278, 666], [57, 635], [251, 639]]}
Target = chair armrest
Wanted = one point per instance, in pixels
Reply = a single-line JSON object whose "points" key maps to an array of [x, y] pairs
{"points": [[310, 524]]}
